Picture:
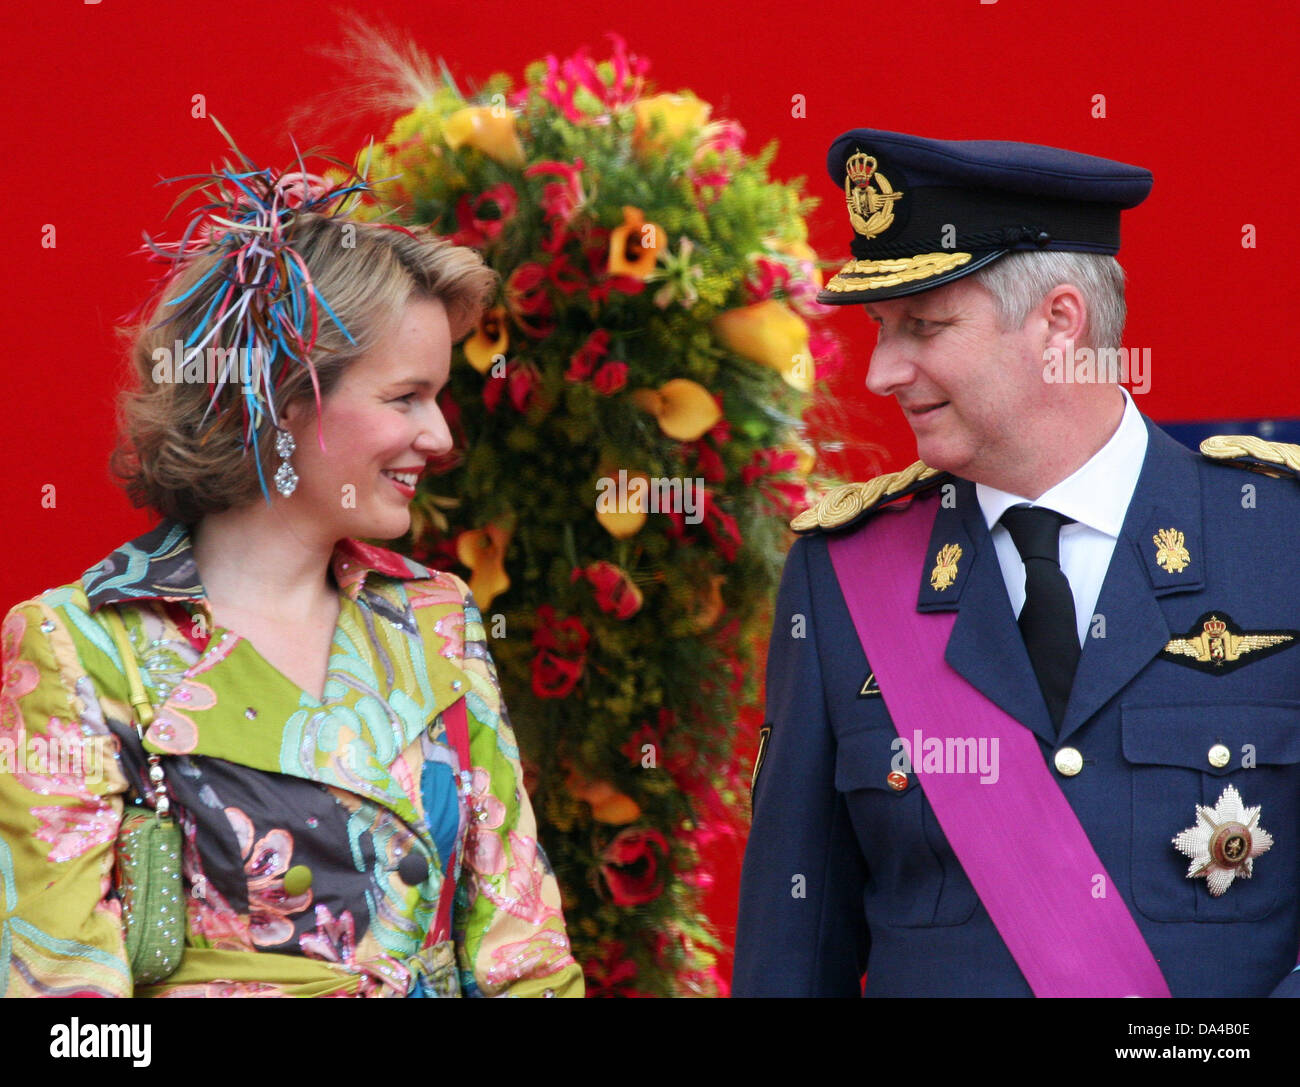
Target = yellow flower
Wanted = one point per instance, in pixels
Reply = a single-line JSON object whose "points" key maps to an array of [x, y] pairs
{"points": [[634, 246], [770, 333], [484, 552], [490, 129], [685, 410], [666, 118], [490, 339], [628, 521], [608, 805]]}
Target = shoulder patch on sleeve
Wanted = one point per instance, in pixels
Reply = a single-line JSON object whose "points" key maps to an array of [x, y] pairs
{"points": [[845, 504], [1275, 459]]}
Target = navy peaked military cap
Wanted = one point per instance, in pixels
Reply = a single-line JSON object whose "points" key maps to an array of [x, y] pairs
{"points": [[926, 212]]}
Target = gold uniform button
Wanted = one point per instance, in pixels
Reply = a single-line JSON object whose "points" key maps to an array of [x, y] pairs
{"points": [[1219, 756], [1068, 761]]}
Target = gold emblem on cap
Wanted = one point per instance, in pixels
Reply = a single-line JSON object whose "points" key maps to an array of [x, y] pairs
{"points": [[1171, 555], [871, 211], [1224, 842], [945, 567]]}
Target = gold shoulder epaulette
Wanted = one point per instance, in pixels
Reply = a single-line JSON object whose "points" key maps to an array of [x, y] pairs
{"points": [[840, 505], [1246, 451]]}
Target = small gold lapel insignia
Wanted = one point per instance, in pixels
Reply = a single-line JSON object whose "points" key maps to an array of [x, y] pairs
{"points": [[871, 211], [1171, 555], [1220, 644], [945, 568], [1224, 842], [870, 687]]}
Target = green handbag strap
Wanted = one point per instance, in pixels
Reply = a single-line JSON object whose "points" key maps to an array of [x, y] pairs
{"points": [[135, 685], [144, 713]]}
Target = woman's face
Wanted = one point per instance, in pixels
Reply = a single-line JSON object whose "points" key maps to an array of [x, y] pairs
{"points": [[381, 423]]}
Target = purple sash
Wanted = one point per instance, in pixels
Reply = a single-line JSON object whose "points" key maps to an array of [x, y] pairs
{"points": [[1018, 839]]}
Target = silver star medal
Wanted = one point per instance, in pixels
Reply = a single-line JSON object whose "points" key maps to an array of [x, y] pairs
{"points": [[1224, 842]]}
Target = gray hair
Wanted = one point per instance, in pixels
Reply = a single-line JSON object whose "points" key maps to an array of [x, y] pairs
{"points": [[1019, 281]]}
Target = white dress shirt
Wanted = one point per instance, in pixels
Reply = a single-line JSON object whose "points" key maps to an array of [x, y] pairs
{"points": [[1097, 497]]}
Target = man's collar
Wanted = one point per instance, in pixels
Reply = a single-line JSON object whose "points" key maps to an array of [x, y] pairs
{"points": [[160, 566], [1098, 494]]}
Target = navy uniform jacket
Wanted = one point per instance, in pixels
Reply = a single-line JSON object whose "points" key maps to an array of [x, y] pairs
{"points": [[882, 892]]}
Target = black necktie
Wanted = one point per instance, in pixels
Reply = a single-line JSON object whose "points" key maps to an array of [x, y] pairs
{"points": [[1047, 619]]}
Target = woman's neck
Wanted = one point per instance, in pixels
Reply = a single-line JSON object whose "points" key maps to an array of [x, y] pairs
{"points": [[255, 560]]}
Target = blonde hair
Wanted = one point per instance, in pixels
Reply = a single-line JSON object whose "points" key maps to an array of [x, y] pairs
{"points": [[183, 466]]}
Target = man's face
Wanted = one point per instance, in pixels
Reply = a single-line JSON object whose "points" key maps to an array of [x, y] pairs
{"points": [[967, 388]]}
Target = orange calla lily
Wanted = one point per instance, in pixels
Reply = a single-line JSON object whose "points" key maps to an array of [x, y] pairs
{"points": [[685, 410], [490, 339], [770, 333], [608, 805], [484, 552], [665, 118], [711, 607], [611, 505], [490, 129], [634, 246]]}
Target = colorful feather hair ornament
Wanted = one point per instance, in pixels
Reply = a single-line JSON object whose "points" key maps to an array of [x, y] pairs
{"points": [[268, 310]]}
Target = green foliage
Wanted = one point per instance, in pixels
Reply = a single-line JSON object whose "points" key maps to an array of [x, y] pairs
{"points": [[540, 432]]}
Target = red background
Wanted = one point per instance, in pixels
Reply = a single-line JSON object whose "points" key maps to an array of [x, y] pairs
{"points": [[98, 108]]}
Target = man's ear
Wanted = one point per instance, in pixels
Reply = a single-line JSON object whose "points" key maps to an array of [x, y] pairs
{"points": [[1065, 314]]}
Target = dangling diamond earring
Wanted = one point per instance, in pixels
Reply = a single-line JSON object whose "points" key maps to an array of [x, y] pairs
{"points": [[286, 479]]}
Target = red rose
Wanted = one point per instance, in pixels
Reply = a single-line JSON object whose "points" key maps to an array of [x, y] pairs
{"points": [[496, 385], [554, 677], [610, 378], [632, 866], [561, 656], [609, 975], [522, 382], [527, 300], [584, 360], [482, 218], [616, 593]]}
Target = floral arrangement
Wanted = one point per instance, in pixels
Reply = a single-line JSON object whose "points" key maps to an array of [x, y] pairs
{"points": [[631, 450]]}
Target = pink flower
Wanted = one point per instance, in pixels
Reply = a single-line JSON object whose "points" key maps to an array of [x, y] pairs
{"points": [[483, 850], [769, 276], [333, 941], [824, 346], [265, 863], [544, 953], [610, 378], [560, 200], [565, 78], [20, 677]]}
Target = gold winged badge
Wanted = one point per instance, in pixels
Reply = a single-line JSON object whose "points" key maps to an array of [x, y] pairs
{"points": [[1216, 644]]}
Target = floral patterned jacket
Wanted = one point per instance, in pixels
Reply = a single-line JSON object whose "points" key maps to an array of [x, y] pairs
{"points": [[315, 834]]}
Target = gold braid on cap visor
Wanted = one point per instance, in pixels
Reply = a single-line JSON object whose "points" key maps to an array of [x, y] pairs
{"points": [[874, 275]]}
